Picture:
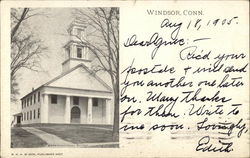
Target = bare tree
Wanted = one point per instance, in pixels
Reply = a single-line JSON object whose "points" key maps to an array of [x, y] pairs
{"points": [[103, 42], [26, 49]]}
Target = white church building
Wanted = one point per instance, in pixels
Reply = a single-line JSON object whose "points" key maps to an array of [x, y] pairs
{"points": [[76, 96]]}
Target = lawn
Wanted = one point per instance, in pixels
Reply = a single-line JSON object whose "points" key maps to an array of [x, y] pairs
{"points": [[23, 139], [78, 134]]}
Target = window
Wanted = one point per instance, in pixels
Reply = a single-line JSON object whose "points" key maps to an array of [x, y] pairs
{"points": [[30, 115], [34, 98], [28, 100], [38, 96], [24, 103], [27, 115], [31, 100], [53, 99], [95, 102], [38, 113], [34, 113], [24, 116], [79, 52], [75, 100]]}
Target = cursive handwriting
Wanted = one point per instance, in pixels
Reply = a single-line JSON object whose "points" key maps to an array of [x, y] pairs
{"points": [[197, 86], [205, 110], [229, 126], [155, 40], [194, 96], [162, 111], [188, 53], [204, 146]]}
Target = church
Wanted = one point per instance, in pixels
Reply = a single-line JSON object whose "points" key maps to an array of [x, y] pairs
{"points": [[76, 96]]}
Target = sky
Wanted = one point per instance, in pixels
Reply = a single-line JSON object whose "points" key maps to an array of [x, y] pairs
{"points": [[52, 30]]}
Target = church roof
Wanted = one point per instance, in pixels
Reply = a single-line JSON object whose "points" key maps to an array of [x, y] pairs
{"points": [[79, 77]]}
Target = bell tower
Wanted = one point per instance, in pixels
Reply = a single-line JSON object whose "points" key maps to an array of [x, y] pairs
{"points": [[75, 50]]}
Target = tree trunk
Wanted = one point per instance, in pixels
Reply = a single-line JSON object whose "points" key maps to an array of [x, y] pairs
{"points": [[116, 117], [14, 30]]}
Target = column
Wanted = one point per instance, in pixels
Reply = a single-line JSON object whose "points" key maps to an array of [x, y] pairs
{"points": [[44, 109], [73, 52], [86, 53], [89, 114], [108, 112], [67, 110]]}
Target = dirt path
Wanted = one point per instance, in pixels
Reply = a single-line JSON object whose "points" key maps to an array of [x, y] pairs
{"points": [[50, 139]]}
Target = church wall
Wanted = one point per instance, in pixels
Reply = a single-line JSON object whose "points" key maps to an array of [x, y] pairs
{"points": [[103, 102], [84, 106], [75, 62], [65, 66], [98, 112], [56, 111], [30, 108]]}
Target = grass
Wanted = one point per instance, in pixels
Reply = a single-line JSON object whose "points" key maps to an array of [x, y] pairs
{"points": [[23, 139], [78, 134], [74, 133]]}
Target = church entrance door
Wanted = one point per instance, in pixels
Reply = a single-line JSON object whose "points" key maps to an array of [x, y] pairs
{"points": [[75, 115]]}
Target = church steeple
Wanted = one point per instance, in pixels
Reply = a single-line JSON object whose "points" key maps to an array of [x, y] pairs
{"points": [[75, 51]]}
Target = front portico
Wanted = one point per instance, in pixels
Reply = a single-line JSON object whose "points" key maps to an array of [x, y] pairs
{"points": [[68, 106]]}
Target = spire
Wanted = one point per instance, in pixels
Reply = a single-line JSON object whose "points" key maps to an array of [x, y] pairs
{"points": [[75, 51], [77, 30]]}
